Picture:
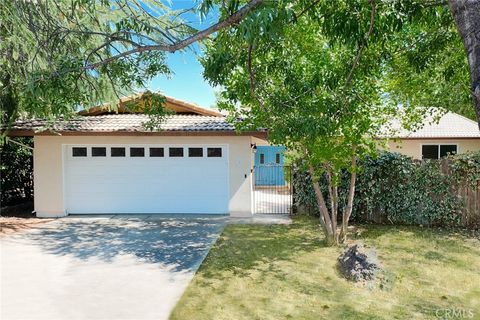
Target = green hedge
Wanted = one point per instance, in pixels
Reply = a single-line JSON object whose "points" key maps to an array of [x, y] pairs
{"points": [[397, 189], [16, 172]]}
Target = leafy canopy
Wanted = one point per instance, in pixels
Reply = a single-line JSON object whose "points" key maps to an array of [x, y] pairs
{"points": [[57, 56], [54, 53], [314, 78], [290, 65]]}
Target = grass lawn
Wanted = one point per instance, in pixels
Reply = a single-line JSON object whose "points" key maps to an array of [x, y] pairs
{"points": [[285, 272]]}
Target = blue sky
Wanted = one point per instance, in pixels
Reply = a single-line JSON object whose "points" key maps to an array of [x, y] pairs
{"points": [[186, 82]]}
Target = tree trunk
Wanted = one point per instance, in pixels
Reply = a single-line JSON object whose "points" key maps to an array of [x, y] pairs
{"points": [[347, 211], [467, 18], [325, 219], [333, 193]]}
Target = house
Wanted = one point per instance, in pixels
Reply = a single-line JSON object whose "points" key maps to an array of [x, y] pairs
{"points": [[452, 133], [107, 162]]}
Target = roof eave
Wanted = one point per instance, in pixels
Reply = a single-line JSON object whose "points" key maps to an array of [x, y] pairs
{"points": [[31, 133]]}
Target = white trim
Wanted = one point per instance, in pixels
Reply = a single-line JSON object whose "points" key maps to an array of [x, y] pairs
{"points": [[64, 179], [41, 214], [439, 144]]}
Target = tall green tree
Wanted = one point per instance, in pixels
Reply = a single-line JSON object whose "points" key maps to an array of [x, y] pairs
{"points": [[56, 55], [428, 66], [311, 92], [467, 18], [320, 81]]}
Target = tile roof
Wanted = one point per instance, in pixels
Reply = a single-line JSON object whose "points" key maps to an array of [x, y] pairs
{"points": [[450, 125], [130, 123]]}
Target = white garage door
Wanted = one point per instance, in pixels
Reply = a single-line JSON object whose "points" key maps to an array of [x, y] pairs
{"points": [[146, 179]]}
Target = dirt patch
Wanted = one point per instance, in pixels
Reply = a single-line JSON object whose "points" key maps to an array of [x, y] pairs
{"points": [[10, 225], [18, 218], [358, 263]]}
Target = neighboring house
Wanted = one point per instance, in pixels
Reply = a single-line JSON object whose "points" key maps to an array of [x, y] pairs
{"points": [[109, 163], [453, 133]]}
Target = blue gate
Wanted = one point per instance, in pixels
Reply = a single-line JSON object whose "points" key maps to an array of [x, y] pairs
{"points": [[271, 160]]}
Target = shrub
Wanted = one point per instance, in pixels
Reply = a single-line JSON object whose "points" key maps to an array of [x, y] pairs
{"points": [[16, 170], [304, 195], [397, 189]]}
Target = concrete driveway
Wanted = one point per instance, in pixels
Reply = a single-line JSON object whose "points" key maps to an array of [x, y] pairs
{"points": [[109, 267]]}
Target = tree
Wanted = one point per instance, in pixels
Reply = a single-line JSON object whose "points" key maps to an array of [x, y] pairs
{"points": [[16, 171], [467, 19], [315, 95], [90, 52], [429, 67], [320, 81], [57, 56]]}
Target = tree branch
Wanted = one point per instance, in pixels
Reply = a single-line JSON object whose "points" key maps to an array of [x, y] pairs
{"points": [[250, 70], [308, 8], [347, 210], [231, 20], [364, 44]]}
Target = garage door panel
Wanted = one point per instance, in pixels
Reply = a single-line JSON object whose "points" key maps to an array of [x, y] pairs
{"points": [[163, 170], [105, 191], [161, 184], [146, 185], [163, 204]]}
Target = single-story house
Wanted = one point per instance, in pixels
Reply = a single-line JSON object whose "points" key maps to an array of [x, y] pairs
{"points": [[108, 163], [452, 133]]}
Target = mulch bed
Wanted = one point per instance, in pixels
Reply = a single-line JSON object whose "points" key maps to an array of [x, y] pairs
{"points": [[19, 217]]}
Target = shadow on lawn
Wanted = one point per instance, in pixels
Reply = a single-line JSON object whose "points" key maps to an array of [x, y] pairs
{"points": [[373, 231], [243, 247], [177, 243], [420, 244]]}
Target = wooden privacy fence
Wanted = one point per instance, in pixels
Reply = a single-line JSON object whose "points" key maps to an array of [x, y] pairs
{"points": [[468, 193], [471, 197]]}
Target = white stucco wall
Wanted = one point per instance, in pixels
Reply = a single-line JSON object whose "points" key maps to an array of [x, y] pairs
{"points": [[49, 180], [413, 147]]}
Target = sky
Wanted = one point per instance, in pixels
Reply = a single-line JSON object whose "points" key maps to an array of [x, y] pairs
{"points": [[186, 82]]}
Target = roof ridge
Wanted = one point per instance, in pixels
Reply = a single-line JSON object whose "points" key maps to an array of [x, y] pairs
{"points": [[170, 103]]}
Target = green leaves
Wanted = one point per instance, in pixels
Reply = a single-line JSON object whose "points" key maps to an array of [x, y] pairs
{"points": [[16, 171], [288, 66], [394, 188], [292, 83], [427, 64], [56, 56]]}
